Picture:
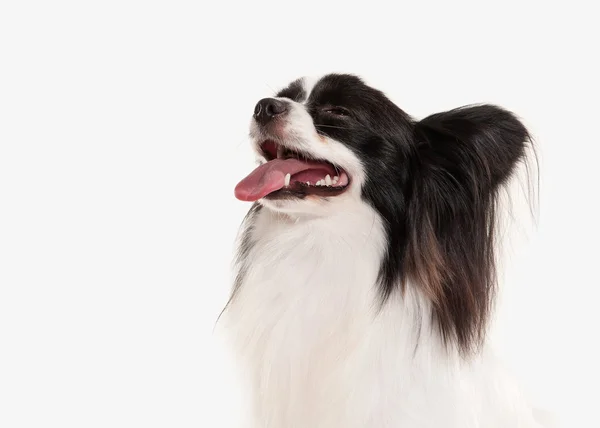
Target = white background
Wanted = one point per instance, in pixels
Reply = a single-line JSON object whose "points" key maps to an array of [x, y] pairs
{"points": [[123, 132]]}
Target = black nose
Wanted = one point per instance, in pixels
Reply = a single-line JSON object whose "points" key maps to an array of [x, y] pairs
{"points": [[268, 108]]}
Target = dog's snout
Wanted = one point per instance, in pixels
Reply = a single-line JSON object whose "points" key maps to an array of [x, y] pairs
{"points": [[267, 108]]}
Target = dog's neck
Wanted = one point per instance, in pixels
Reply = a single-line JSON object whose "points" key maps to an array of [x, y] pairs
{"points": [[307, 318]]}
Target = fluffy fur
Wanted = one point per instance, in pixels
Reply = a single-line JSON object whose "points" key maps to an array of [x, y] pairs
{"points": [[369, 309]]}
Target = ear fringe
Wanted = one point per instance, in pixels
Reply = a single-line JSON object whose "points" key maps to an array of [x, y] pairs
{"points": [[463, 158]]}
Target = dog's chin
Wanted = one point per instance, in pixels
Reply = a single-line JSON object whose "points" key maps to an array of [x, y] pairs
{"points": [[288, 206], [309, 206]]}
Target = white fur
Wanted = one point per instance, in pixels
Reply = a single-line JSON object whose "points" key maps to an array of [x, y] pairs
{"points": [[314, 348], [316, 353]]}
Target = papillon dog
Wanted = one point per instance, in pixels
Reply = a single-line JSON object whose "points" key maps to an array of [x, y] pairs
{"points": [[365, 273]]}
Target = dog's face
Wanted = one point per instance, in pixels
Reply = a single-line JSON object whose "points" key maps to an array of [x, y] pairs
{"points": [[323, 143]]}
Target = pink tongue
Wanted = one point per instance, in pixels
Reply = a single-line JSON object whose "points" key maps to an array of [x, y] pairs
{"points": [[269, 177]]}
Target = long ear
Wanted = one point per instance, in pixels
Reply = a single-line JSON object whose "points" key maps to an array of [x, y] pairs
{"points": [[463, 157]]}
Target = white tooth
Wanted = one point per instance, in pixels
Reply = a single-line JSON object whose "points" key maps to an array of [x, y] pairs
{"points": [[308, 183], [288, 177], [328, 180], [335, 179], [319, 182]]}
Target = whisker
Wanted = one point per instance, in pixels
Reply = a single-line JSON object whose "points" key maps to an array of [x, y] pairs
{"points": [[273, 90], [332, 126]]}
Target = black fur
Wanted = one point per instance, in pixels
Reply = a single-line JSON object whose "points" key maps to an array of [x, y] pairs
{"points": [[463, 157], [295, 91]]}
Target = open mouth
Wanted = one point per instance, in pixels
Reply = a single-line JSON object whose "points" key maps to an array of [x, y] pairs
{"points": [[289, 173]]}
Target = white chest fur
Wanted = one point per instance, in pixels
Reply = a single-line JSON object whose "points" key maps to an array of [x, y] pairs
{"points": [[318, 351]]}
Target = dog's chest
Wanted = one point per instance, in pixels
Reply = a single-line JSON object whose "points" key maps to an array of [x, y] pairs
{"points": [[316, 352], [302, 312]]}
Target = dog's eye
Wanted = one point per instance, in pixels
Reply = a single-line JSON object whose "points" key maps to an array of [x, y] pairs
{"points": [[336, 111]]}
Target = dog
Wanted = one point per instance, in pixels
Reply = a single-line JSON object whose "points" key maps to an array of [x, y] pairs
{"points": [[366, 267]]}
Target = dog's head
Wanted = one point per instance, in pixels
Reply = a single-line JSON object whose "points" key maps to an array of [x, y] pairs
{"points": [[336, 141]]}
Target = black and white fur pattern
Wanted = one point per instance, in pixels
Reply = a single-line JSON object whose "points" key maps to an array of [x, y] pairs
{"points": [[369, 309]]}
